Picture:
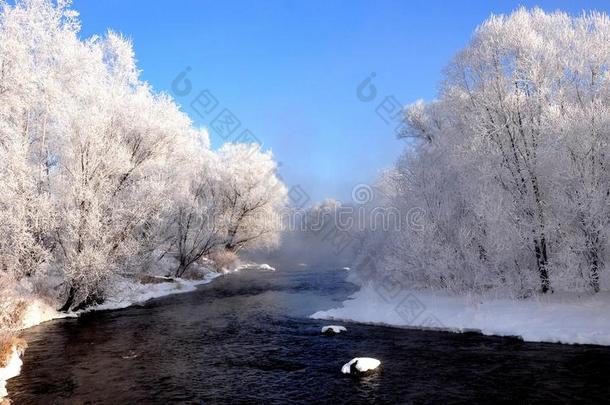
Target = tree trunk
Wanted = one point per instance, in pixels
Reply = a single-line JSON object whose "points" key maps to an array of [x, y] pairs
{"points": [[70, 300], [594, 269], [229, 245], [183, 267], [89, 301], [542, 263]]}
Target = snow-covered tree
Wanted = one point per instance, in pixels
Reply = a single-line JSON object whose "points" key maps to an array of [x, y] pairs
{"points": [[95, 165], [194, 225], [509, 163], [252, 197]]}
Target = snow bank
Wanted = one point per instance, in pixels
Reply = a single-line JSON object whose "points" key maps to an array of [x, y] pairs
{"points": [[39, 312], [127, 292], [360, 365], [19, 309], [22, 308], [12, 369], [559, 317]]}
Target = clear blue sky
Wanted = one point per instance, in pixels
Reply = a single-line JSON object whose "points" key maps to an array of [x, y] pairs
{"points": [[288, 70]]}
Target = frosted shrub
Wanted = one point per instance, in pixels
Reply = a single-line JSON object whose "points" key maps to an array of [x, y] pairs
{"points": [[224, 260]]}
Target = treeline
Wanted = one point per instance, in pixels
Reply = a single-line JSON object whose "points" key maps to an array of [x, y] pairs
{"points": [[100, 175], [510, 165]]}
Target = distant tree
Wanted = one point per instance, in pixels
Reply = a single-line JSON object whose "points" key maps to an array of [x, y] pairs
{"points": [[252, 197]]}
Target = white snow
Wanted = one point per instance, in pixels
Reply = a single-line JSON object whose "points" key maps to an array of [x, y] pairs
{"points": [[559, 317], [127, 292], [345, 268], [255, 266], [39, 312], [334, 329], [12, 369], [363, 364]]}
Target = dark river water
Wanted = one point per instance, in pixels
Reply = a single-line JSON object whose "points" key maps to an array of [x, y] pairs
{"points": [[246, 338]]}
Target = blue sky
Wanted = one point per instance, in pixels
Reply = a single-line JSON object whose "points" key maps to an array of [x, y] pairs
{"points": [[289, 70]]}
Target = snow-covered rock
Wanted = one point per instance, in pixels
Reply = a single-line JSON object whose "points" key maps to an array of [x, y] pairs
{"points": [[12, 369], [360, 366], [255, 266], [333, 329]]}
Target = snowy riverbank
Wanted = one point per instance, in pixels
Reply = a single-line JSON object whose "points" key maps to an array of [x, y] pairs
{"points": [[125, 292], [558, 318], [128, 292]]}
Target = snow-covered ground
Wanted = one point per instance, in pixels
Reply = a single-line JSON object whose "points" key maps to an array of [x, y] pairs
{"points": [[559, 317], [127, 292]]}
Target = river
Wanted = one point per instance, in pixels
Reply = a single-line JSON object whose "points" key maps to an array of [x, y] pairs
{"points": [[247, 338]]}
